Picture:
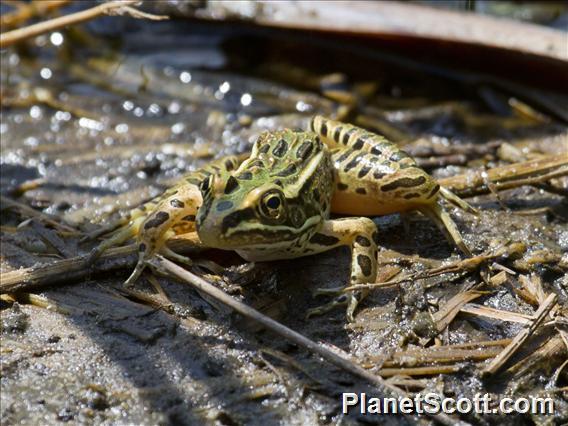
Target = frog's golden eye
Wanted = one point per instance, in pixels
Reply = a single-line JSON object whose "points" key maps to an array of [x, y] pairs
{"points": [[272, 205]]}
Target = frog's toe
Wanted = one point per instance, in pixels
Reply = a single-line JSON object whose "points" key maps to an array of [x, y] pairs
{"points": [[323, 309], [172, 255], [335, 291], [136, 273], [350, 299], [100, 231]]}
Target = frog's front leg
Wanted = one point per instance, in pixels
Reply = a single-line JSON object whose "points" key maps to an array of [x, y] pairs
{"points": [[360, 234], [181, 205]]}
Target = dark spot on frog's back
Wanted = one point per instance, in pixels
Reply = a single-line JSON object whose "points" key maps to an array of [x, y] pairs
{"points": [[360, 143], [280, 149], [224, 205], [398, 155], [232, 184], [434, 191], [363, 241], [353, 163], [305, 150], [347, 135], [324, 240], [229, 165], [404, 183], [290, 170], [364, 263], [323, 129], [411, 195], [376, 150], [337, 133], [156, 220], [178, 204], [264, 148], [363, 172], [245, 176]]}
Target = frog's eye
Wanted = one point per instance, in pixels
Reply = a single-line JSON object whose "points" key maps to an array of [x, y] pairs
{"points": [[272, 205]]}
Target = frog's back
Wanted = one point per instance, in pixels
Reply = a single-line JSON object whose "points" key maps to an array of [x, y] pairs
{"points": [[373, 176]]}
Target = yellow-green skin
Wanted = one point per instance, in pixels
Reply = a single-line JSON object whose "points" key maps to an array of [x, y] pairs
{"points": [[276, 203]]}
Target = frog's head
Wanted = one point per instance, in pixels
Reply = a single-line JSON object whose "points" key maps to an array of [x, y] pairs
{"points": [[272, 197]]}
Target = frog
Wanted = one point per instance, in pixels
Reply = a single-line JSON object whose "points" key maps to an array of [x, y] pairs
{"points": [[276, 202]]}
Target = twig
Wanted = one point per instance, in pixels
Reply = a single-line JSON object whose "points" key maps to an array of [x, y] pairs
{"points": [[508, 177], [62, 271], [28, 211], [520, 338], [485, 311], [111, 8], [451, 309], [421, 371], [337, 358], [30, 10]]}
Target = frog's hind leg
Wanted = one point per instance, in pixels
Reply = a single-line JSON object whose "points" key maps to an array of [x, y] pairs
{"points": [[359, 233], [446, 224]]}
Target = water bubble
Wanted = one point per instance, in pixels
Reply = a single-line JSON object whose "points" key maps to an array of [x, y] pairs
{"points": [[178, 128], [31, 141], [14, 59], [56, 39], [90, 124], [45, 73], [154, 109], [302, 106], [225, 87], [121, 128], [35, 112], [174, 107], [246, 99], [41, 40], [62, 116], [185, 77], [128, 105], [138, 112], [169, 71]]}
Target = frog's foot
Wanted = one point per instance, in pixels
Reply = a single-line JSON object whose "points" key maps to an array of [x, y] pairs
{"points": [[359, 234], [351, 299]]}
